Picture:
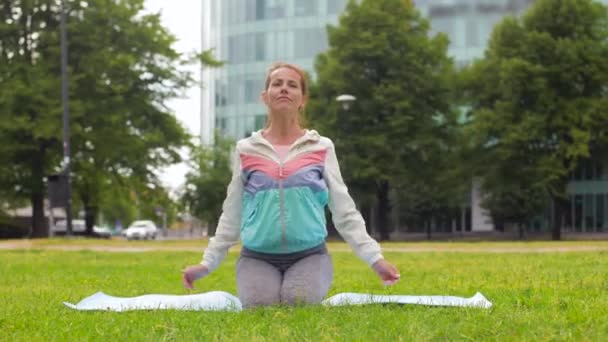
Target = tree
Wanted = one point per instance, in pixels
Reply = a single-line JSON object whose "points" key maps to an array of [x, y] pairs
{"points": [[538, 99], [122, 69], [382, 54], [206, 183]]}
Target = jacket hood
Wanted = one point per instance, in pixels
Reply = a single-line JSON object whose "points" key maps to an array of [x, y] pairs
{"points": [[309, 135]]}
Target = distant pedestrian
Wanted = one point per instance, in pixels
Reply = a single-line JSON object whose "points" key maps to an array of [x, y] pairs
{"points": [[284, 176]]}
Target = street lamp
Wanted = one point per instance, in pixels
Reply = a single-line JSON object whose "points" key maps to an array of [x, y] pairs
{"points": [[346, 100], [66, 120]]}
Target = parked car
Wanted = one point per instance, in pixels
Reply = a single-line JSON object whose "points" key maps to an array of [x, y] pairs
{"points": [[141, 229], [79, 228]]}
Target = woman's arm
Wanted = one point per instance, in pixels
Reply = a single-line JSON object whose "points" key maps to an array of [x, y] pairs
{"points": [[347, 219], [228, 228]]}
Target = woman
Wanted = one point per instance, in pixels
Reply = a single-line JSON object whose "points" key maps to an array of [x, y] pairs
{"points": [[283, 177]]}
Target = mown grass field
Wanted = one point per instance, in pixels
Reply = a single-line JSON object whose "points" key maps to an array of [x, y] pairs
{"points": [[538, 294]]}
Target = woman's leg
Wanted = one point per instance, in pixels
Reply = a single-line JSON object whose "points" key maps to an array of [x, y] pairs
{"points": [[258, 282], [308, 280]]}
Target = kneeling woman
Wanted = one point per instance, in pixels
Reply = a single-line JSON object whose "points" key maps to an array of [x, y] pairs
{"points": [[284, 176]]}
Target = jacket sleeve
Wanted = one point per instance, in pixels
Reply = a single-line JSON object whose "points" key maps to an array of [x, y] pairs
{"points": [[347, 219], [228, 228]]}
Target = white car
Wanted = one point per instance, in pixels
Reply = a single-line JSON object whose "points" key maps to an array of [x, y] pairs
{"points": [[142, 229]]}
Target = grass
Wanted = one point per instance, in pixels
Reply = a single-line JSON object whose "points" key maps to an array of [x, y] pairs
{"points": [[536, 296]]}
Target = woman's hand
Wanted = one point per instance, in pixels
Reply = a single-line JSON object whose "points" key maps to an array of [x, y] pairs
{"points": [[191, 273], [386, 271]]}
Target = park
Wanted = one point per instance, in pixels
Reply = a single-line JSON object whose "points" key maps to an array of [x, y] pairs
{"points": [[539, 290]]}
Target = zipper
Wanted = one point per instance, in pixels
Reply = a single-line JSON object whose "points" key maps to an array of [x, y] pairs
{"points": [[282, 209]]}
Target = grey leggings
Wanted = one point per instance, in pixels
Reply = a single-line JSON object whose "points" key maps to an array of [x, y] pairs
{"points": [[305, 282]]}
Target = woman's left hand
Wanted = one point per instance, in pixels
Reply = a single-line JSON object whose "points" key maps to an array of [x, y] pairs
{"points": [[386, 271]]}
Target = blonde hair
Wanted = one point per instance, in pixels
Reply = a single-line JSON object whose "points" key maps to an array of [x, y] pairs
{"points": [[303, 85]]}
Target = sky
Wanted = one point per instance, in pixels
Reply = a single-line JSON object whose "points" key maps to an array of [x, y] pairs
{"points": [[183, 19]]}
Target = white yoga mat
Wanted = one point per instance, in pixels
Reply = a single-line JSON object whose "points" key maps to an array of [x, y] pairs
{"points": [[224, 301], [209, 301], [478, 300]]}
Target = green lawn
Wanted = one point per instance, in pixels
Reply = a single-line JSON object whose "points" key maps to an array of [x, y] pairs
{"points": [[536, 296]]}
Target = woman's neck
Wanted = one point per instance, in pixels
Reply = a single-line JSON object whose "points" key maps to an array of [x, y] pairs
{"points": [[283, 132]]}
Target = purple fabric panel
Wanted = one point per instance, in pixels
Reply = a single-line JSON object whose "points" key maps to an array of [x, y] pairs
{"points": [[310, 176], [254, 181]]}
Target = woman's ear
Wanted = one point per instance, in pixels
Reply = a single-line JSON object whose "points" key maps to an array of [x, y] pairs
{"points": [[264, 97], [304, 102]]}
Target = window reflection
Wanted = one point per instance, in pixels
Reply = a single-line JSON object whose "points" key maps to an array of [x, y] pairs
{"points": [[309, 42], [304, 8], [600, 210], [589, 217], [335, 6], [578, 213], [269, 9]]}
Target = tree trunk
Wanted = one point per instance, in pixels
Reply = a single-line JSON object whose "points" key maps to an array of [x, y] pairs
{"points": [[90, 212], [40, 228], [212, 227], [382, 190], [366, 212]]}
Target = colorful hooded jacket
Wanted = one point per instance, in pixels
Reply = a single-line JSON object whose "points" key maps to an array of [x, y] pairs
{"points": [[278, 207]]}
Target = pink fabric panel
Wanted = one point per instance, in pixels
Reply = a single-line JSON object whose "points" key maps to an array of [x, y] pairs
{"points": [[307, 159], [269, 167]]}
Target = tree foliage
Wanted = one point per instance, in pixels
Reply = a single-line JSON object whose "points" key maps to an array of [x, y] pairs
{"points": [[538, 102], [381, 53], [206, 183], [122, 70]]}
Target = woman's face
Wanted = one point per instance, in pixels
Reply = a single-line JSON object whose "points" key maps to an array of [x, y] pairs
{"points": [[284, 93]]}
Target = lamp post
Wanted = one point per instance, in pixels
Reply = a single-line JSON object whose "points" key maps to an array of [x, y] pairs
{"points": [[346, 100], [66, 120]]}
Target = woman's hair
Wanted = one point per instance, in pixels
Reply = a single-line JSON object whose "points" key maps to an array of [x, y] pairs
{"points": [[303, 85]]}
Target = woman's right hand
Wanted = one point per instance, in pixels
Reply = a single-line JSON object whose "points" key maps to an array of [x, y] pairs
{"points": [[192, 273]]}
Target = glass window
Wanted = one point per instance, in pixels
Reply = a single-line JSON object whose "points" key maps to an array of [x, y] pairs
{"points": [[605, 214], [445, 25], [589, 217], [567, 216], [269, 9], [472, 33], [260, 46], [335, 6], [254, 84], [309, 42], [220, 93], [578, 213], [246, 48], [600, 214], [260, 6], [305, 8], [250, 10]]}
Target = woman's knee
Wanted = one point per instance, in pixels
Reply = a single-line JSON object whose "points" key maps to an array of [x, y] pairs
{"points": [[258, 283], [307, 281]]}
